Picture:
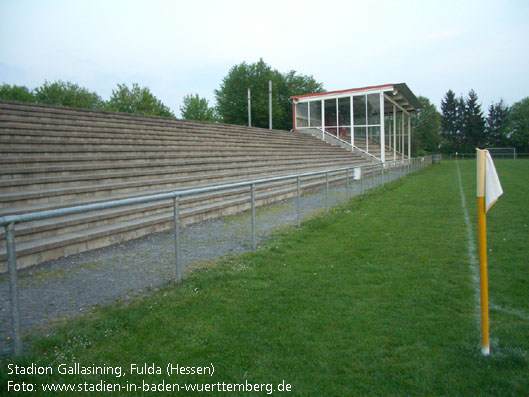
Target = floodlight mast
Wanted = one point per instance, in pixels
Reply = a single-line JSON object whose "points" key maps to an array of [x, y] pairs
{"points": [[249, 109], [269, 104]]}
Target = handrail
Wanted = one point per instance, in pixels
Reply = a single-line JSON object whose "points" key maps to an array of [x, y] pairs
{"points": [[333, 136], [353, 146], [347, 143], [33, 216], [9, 221]]}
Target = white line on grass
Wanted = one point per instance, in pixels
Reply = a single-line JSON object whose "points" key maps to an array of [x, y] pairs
{"points": [[513, 312], [472, 251]]}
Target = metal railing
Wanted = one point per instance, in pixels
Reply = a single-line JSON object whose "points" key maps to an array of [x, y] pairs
{"points": [[348, 144], [399, 167], [355, 147], [504, 155]]}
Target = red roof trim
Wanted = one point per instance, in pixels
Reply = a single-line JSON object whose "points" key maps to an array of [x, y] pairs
{"points": [[343, 91]]}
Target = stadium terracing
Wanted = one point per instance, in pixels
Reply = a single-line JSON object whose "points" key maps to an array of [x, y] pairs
{"points": [[57, 157]]}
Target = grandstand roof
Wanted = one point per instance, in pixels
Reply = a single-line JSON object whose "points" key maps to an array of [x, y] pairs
{"points": [[398, 92]]}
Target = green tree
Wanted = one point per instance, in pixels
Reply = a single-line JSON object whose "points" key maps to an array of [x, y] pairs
{"points": [[449, 123], [461, 114], [294, 84], [518, 125], [474, 124], [232, 99], [196, 108], [427, 128], [496, 124], [16, 93], [67, 94], [138, 101]]}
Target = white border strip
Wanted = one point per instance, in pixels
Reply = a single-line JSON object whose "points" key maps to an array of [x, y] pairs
{"points": [[472, 251]]}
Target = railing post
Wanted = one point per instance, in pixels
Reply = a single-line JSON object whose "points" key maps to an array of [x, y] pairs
{"points": [[381, 174], [327, 193], [178, 257], [297, 201], [361, 180], [252, 194], [347, 185], [13, 287]]}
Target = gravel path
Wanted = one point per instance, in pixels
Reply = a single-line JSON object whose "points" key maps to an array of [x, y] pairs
{"points": [[68, 286]]}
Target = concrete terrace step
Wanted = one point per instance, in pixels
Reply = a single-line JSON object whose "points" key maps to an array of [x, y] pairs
{"points": [[77, 126], [62, 180], [121, 158], [168, 128], [108, 167], [80, 135], [59, 114], [61, 193], [182, 126], [40, 167], [53, 137], [58, 145]]}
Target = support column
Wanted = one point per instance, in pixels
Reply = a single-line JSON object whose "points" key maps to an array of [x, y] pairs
{"points": [[294, 117], [389, 134], [367, 125], [394, 133], [337, 120], [308, 114], [409, 137], [352, 121], [402, 136], [382, 132], [323, 119]]}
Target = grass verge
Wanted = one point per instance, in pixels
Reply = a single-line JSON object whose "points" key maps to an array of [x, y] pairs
{"points": [[376, 298]]}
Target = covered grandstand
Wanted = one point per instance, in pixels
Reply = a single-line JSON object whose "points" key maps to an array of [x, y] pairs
{"points": [[353, 119]]}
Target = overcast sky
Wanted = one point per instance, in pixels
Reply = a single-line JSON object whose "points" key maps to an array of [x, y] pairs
{"points": [[181, 47]]}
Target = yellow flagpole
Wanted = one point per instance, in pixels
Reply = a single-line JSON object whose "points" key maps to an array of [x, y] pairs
{"points": [[482, 238]]}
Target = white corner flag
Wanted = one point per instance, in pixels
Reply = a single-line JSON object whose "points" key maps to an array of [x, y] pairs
{"points": [[493, 188], [488, 191]]}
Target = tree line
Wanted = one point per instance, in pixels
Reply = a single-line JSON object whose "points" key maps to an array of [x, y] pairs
{"points": [[461, 125], [464, 127], [231, 97], [135, 99]]}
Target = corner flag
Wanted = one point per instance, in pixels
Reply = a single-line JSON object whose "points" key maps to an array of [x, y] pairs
{"points": [[493, 188], [489, 190]]}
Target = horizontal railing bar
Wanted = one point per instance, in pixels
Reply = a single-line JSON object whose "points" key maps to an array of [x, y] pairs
{"points": [[347, 143]]}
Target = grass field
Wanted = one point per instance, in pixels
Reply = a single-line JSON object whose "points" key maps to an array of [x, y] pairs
{"points": [[377, 298]]}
